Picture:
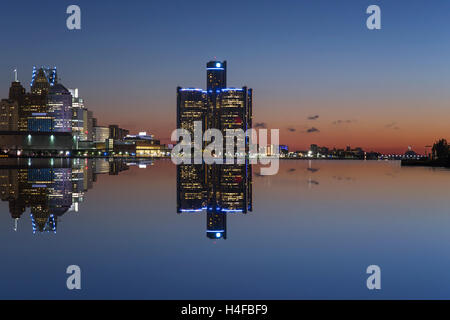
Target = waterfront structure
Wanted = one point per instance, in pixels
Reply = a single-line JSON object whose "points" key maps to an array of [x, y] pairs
{"points": [[36, 143], [101, 134], [117, 133], [144, 146]]}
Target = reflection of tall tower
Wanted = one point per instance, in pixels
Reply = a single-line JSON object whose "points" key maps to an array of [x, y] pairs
{"points": [[216, 224], [217, 189]]}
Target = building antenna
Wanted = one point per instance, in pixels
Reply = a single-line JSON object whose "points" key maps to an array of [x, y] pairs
{"points": [[15, 75]]}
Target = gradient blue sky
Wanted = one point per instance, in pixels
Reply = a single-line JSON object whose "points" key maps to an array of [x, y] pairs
{"points": [[389, 88]]}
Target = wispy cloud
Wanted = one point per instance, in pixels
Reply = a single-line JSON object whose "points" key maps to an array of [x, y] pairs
{"points": [[260, 125], [291, 129], [312, 129], [315, 117], [348, 121], [392, 125]]}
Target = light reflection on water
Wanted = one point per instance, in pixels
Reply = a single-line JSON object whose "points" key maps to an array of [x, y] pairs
{"points": [[311, 232]]}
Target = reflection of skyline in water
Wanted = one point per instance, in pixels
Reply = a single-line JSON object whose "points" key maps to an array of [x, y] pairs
{"points": [[216, 189], [128, 225], [47, 189], [50, 187]]}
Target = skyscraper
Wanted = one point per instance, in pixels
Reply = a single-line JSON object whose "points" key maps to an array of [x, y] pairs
{"points": [[216, 75], [77, 116], [9, 115], [17, 92], [59, 103], [217, 189], [217, 107], [43, 79], [34, 105]]}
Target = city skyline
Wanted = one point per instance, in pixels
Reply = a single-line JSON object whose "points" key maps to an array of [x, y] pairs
{"points": [[49, 84], [385, 93]]}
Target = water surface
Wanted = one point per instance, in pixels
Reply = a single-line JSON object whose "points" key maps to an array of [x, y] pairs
{"points": [[311, 233]]}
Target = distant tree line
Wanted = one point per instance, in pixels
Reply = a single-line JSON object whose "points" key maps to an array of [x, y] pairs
{"points": [[440, 150]]}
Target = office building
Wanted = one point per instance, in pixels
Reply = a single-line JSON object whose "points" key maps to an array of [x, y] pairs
{"points": [[9, 115], [59, 103], [33, 105], [17, 92], [218, 107], [117, 133], [77, 116], [40, 122], [101, 134], [216, 75], [217, 189], [42, 79]]}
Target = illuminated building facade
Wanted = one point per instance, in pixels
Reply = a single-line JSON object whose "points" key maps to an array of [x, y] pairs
{"points": [[216, 189], [9, 115], [77, 116], [32, 104], [59, 103], [101, 134], [40, 122], [42, 79], [49, 188], [117, 133], [216, 107]]}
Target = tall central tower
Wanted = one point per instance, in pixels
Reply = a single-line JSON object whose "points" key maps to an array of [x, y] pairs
{"points": [[217, 189], [216, 75]]}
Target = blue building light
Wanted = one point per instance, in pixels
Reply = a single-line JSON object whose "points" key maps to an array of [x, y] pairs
{"points": [[232, 89], [192, 89], [232, 210], [218, 235], [191, 210], [215, 69], [218, 64]]}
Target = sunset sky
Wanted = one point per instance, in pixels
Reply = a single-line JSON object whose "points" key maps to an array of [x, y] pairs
{"points": [[318, 74]]}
